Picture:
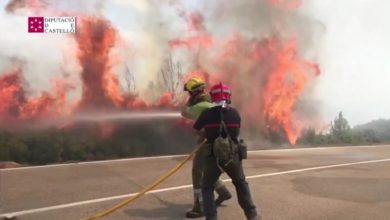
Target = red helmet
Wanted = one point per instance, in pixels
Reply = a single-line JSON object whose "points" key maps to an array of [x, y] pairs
{"points": [[220, 92]]}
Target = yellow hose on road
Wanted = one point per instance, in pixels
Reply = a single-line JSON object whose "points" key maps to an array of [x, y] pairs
{"points": [[147, 189]]}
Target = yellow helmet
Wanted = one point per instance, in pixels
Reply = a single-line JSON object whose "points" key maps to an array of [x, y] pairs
{"points": [[194, 84]]}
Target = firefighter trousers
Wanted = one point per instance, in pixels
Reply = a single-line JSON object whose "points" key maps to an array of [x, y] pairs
{"points": [[234, 170]]}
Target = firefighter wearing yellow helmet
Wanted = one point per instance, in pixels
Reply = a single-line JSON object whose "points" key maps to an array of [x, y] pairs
{"points": [[198, 101]]}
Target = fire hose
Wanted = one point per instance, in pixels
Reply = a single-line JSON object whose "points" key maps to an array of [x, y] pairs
{"points": [[148, 188]]}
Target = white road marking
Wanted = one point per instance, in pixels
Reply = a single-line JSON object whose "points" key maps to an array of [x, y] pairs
{"points": [[181, 155], [92, 162], [49, 208]]}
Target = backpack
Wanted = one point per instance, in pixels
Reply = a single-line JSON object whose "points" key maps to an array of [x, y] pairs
{"points": [[224, 149]]}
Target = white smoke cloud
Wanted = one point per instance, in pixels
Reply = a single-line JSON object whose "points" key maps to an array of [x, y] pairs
{"points": [[41, 54], [146, 26]]}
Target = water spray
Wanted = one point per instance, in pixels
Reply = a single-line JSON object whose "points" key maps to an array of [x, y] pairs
{"points": [[111, 116]]}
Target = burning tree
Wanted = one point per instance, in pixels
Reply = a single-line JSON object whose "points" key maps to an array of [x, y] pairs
{"points": [[16, 105], [11, 94], [170, 77], [130, 81], [95, 39]]}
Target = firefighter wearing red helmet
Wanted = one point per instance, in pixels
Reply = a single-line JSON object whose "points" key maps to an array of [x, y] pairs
{"points": [[221, 126], [198, 101]]}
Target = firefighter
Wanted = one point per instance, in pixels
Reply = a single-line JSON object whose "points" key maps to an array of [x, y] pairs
{"points": [[198, 101], [221, 125]]}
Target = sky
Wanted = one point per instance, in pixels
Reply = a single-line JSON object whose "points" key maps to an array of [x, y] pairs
{"points": [[354, 58], [353, 54]]}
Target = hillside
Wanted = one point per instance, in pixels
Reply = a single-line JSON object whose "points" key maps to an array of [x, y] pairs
{"points": [[380, 127]]}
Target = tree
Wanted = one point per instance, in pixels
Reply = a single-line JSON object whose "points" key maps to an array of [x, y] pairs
{"points": [[4, 147], [366, 136], [18, 150], [44, 147], [308, 136], [340, 131], [170, 76], [130, 81], [12, 148]]}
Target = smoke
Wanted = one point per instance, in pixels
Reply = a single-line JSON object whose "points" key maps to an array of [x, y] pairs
{"points": [[264, 49]]}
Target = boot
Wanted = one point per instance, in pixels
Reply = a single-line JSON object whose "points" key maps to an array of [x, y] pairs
{"points": [[253, 216], [197, 210], [223, 195]]}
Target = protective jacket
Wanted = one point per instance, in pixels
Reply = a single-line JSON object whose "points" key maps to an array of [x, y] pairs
{"points": [[196, 105]]}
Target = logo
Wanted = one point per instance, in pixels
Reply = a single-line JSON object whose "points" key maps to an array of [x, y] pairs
{"points": [[52, 25], [35, 24]]}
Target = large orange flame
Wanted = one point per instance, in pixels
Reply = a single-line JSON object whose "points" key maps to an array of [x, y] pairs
{"points": [[285, 84], [16, 105], [95, 39], [267, 74], [11, 94]]}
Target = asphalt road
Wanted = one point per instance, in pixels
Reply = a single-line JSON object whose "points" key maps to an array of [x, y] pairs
{"points": [[321, 183]]}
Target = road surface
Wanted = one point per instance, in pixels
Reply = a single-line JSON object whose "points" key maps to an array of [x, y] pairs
{"points": [[320, 183]]}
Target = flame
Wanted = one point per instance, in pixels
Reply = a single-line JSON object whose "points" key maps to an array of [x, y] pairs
{"points": [[96, 38], [196, 73], [196, 22], [101, 88], [137, 103], [267, 74], [287, 4], [11, 93], [285, 84], [16, 105], [100, 85], [48, 104], [166, 100], [201, 39], [204, 41]]}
